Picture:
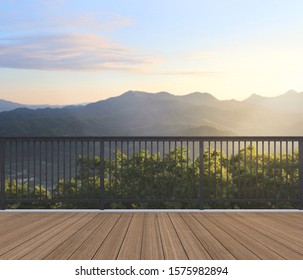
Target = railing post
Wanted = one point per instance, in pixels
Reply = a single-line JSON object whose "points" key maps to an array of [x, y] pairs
{"points": [[102, 165], [300, 185], [2, 175], [201, 175]]}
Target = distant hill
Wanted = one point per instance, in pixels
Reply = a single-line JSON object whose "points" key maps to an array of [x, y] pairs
{"points": [[8, 106], [291, 101], [142, 113]]}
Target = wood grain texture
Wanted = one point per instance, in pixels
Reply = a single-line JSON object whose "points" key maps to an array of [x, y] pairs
{"points": [[132, 243], [88, 249], [216, 250], [151, 235], [151, 244], [172, 245], [111, 246]]}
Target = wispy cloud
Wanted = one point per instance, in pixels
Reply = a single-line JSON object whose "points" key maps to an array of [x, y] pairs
{"points": [[178, 73], [68, 52], [190, 73], [91, 21]]}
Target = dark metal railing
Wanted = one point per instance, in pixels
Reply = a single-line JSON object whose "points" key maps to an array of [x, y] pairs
{"points": [[151, 172]]}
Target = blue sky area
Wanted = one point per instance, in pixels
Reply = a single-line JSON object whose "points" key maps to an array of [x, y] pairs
{"points": [[62, 52]]}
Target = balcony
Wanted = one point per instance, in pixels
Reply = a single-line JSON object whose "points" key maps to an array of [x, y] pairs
{"points": [[152, 172], [105, 235], [133, 180]]}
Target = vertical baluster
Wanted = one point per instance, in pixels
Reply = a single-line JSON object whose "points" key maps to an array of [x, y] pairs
{"points": [[157, 165], [227, 170], [64, 168], [127, 165], [193, 166], [245, 173], [169, 169], [52, 168], [16, 165], [94, 165], [76, 166], [201, 175], [263, 169], [46, 169], [28, 169], [110, 165], [287, 170], [22, 168], [2, 175], [210, 187], [102, 167], [82, 158], [281, 191], [251, 168], [257, 170], [187, 175], [10, 165], [116, 169], [221, 169], [233, 168], [70, 163], [269, 163], [215, 169], [300, 185], [293, 168], [181, 167], [40, 169], [58, 168], [34, 163]]}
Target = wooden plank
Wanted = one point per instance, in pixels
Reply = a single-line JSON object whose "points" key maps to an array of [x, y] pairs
{"points": [[237, 249], [70, 245], [151, 235], [132, 244], [192, 246], [258, 245], [283, 247], [172, 246], [110, 248], [56, 236], [8, 216], [9, 223], [17, 222], [30, 244], [289, 219], [151, 243], [88, 248], [215, 249], [276, 227], [32, 229]]}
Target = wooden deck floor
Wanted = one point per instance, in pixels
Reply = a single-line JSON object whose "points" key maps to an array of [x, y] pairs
{"points": [[151, 235]]}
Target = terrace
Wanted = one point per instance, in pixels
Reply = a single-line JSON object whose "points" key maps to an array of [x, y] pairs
{"points": [[151, 235], [148, 174]]}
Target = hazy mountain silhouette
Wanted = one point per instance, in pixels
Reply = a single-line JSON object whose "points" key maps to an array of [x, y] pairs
{"points": [[8, 106], [291, 100], [141, 113]]}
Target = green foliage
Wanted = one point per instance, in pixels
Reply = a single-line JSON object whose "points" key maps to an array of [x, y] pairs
{"points": [[16, 192], [229, 182]]}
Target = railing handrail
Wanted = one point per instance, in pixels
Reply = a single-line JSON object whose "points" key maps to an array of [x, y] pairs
{"points": [[202, 141], [154, 138]]}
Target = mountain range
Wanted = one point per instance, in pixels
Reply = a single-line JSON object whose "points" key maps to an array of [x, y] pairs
{"points": [[9, 105], [141, 113]]}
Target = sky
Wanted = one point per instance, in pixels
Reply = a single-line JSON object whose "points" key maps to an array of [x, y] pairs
{"points": [[78, 51]]}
